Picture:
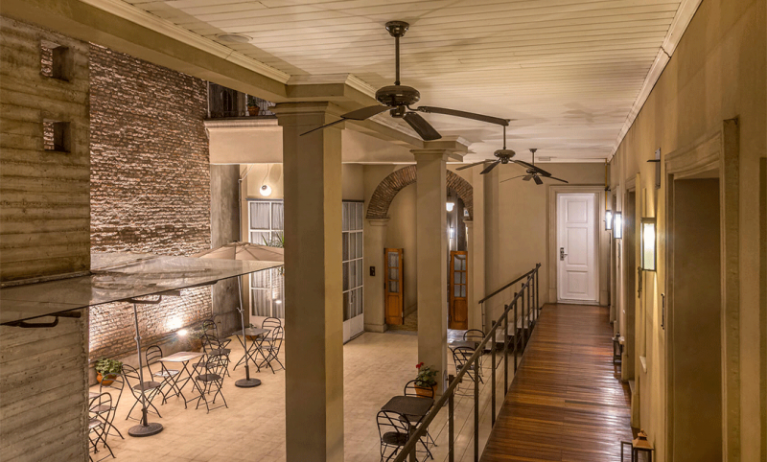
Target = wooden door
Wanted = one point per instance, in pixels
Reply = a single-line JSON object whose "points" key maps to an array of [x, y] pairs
{"points": [[459, 277], [576, 245], [394, 286]]}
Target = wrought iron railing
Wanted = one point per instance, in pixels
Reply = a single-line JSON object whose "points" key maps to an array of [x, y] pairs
{"points": [[524, 301]]}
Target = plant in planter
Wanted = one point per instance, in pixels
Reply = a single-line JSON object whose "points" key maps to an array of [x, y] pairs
{"points": [[107, 369], [253, 108], [426, 380]]}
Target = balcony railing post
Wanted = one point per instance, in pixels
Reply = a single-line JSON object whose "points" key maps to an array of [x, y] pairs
{"points": [[492, 362], [410, 436], [516, 336], [537, 300], [450, 423], [476, 409], [524, 321]]}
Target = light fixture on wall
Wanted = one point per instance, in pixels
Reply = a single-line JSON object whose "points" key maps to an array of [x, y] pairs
{"points": [[449, 206], [450, 232], [608, 220], [648, 244], [266, 190], [618, 225]]}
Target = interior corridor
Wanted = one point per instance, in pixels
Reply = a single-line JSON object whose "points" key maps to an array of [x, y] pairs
{"points": [[566, 402]]}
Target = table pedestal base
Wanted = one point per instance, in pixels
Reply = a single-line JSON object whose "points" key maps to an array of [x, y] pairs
{"points": [[247, 383], [145, 430]]}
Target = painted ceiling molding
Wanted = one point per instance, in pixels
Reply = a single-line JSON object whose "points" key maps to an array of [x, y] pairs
{"points": [[400, 179]]}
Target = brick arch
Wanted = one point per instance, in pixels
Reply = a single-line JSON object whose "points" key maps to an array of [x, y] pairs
{"points": [[397, 181]]}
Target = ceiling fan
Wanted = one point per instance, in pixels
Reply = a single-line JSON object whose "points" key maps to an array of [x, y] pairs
{"points": [[535, 173], [505, 157], [398, 99]]}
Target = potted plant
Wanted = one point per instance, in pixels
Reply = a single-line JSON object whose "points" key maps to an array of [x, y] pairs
{"points": [[253, 108], [107, 369], [425, 380]]}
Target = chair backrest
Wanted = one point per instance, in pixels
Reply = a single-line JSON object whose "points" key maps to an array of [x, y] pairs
{"points": [[411, 389], [153, 355], [97, 403], [461, 356], [131, 375], [474, 335], [216, 365], [117, 385], [271, 324], [209, 329], [278, 336], [392, 422]]}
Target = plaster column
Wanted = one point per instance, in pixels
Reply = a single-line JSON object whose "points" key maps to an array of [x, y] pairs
{"points": [[375, 241], [314, 418], [431, 249]]}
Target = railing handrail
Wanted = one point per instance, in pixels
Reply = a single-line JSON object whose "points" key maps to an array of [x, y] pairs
{"points": [[420, 431], [509, 284]]}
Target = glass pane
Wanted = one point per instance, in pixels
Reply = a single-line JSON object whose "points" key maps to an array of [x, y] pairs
{"points": [[346, 276], [456, 291], [360, 214], [345, 246], [456, 277], [393, 274], [345, 215], [393, 258], [359, 273], [463, 291], [463, 278], [278, 215], [352, 246], [346, 306], [259, 215], [393, 287], [260, 238], [358, 298], [352, 216], [359, 245], [352, 274]]}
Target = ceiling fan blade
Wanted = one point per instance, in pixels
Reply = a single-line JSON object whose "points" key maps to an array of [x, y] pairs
{"points": [[527, 177], [323, 126], [538, 170], [558, 179], [512, 178], [490, 167], [537, 180], [365, 112], [473, 165], [464, 114], [421, 126]]}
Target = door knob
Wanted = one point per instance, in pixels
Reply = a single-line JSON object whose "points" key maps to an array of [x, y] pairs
{"points": [[562, 254]]}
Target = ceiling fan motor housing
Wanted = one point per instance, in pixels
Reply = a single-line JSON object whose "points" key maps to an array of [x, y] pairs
{"points": [[505, 155], [398, 95]]}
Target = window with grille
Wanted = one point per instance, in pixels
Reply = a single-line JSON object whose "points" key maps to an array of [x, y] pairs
{"points": [[351, 234], [265, 227]]}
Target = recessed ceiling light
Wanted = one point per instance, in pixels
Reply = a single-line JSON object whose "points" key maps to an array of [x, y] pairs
{"points": [[235, 38]]}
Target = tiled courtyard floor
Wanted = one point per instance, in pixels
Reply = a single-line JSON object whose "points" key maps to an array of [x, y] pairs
{"points": [[376, 367]]}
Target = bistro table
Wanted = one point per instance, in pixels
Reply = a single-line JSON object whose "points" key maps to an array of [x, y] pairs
{"points": [[410, 406], [254, 333], [182, 357]]}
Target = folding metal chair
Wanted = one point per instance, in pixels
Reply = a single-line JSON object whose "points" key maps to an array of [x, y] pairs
{"points": [[149, 390], [394, 432], [210, 381], [411, 389], [212, 345], [100, 408], [270, 351], [164, 375], [115, 388]]}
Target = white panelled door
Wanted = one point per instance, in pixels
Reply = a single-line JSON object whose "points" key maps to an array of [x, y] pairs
{"points": [[576, 248]]}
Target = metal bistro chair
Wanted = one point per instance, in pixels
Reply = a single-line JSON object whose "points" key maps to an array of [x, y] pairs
{"points": [[98, 429], [461, 356], [393, 431], [411, 389], [153, 356], [474, 335], [117, 386], [212, 345], [210, 381], [271, 351], [149, 390]]}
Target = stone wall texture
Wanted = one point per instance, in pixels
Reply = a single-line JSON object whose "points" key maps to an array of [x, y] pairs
{"points": [[150, 187], [398, 180]]}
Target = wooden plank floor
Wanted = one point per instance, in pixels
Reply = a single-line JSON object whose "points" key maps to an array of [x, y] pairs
{"points": [[566, 402]]}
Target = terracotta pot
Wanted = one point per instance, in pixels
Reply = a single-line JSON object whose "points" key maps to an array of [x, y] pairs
{"points": [[426, 392], [105, 380], [253, 110]]}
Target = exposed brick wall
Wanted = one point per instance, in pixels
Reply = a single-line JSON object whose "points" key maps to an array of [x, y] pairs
{"points": [[398, 180], [150, 186]]}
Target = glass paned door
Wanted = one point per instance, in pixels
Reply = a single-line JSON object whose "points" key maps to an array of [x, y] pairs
{"points": [[458, 280], [351, 253], [265, 227]]}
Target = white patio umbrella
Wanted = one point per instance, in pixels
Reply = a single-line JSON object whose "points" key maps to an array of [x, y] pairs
{"points": [[244, 251]]}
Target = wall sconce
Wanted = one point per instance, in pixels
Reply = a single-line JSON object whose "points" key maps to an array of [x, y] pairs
{"points": [[182, 332], [608, 220], [648, 244], [641, 449], [449, 206], [450, 232], [266, 191], [618, 225]]}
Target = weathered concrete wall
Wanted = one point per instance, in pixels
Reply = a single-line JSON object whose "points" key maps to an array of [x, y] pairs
{"points": [[717, 73], [224, 223], [45, 206], [150, 187], [44, 232]]}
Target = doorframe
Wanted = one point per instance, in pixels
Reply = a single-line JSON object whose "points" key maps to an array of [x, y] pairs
{"points": [[720, 152], [602, 251]]}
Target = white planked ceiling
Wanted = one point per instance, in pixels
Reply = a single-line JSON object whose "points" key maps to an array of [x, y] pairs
{"points": [[567, 71]]}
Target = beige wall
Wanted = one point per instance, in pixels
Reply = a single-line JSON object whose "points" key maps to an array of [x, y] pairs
{"points": [[717, 73]]}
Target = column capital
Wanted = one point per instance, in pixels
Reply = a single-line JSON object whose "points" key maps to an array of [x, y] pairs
{"points": [[453, 147], [378, 221]]}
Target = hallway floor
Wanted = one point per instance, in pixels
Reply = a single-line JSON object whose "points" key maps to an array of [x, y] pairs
{"points": [[566, 403]]}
